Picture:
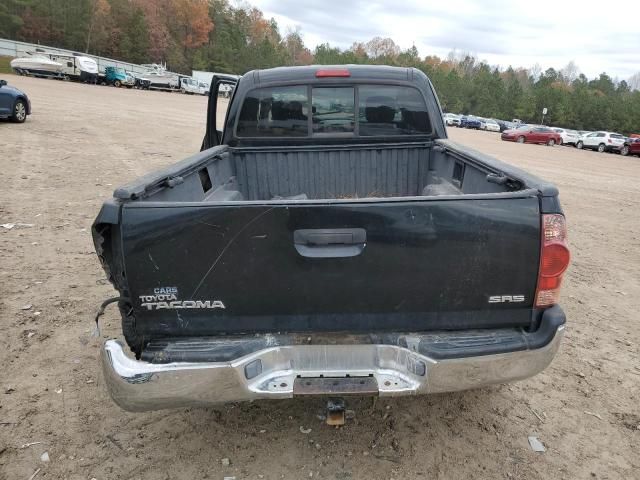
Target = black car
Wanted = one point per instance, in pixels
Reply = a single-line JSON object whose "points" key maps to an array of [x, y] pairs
{"points": [[14, 103], [504, 125]]}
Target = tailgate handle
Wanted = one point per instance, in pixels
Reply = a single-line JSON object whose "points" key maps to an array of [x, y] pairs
{"points": [[330, 242]]}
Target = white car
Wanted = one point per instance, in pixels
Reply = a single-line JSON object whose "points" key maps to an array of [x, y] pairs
{"points": [[204, 88], [569, 137], [225, 90], [451, 119], [491, 126], [601, 141], [190, 86]]}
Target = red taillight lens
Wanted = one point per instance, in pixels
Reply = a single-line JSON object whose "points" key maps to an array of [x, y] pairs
{"points": [[336, 72], [554, 259]]}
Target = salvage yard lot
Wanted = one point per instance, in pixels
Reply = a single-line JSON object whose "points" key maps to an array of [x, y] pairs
{"points": [[83, 141]]}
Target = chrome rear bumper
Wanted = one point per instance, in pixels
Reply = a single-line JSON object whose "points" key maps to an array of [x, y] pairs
{"points": [[271, 372]]}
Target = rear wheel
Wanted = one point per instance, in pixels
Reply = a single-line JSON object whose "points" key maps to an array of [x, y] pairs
{"points": [[19, 111], [579, 145], [131, 335], [117, 83], [601, 148], [624, 150], [551, 142], [521, 139]]}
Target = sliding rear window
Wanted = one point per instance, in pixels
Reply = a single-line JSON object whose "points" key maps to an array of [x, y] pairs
{"points": [[333, 109], [363, 110]]}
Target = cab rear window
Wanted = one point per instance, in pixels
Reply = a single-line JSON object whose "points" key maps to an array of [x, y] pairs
{"points": [[333, 109], [275, 112], [363, 110], [392, 110]]}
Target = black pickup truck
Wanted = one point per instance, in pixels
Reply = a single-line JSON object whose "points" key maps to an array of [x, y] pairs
{"points": [[329, 240]]}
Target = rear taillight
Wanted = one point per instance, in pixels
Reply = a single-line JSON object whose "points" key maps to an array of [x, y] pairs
{"points": [[554, 260]]}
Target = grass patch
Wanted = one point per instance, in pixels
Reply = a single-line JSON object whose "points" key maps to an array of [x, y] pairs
{"points": [[4, 65]]}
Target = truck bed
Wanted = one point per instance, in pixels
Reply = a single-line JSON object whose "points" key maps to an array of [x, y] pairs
{"points": [[324, 173]]}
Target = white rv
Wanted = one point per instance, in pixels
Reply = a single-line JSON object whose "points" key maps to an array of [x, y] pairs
{"points": [[77, 67]]}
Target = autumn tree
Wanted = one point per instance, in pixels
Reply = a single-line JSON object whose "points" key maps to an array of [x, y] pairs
{"points": [[379, 47], [298, 53], [225, 36]]}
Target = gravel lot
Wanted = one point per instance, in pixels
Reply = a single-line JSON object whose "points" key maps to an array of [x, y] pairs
{"points": [[83, 141]]}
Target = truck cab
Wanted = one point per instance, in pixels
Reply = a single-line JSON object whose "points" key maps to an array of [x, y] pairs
{"points": [[118, 77]]}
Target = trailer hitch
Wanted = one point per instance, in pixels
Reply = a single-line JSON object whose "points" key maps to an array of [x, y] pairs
{"points": [[335, 411]]}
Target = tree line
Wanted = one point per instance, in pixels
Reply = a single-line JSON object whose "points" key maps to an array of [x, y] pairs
{"points": [[216, 35]]}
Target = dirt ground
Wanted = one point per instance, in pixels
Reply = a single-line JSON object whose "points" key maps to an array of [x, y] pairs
{"points": [[83, 141]]}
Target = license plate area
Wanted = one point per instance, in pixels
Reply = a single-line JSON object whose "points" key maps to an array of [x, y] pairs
{"points": [[337, 386]]}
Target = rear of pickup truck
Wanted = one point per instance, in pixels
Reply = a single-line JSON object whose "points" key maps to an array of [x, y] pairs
{"points": [[330, 241]]}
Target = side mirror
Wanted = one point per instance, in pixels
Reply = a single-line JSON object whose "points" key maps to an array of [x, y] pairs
{"points": [[3, 83]]}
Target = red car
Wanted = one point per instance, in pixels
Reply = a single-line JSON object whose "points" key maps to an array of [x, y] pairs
{"points": [[529, 134], [631, 147]]}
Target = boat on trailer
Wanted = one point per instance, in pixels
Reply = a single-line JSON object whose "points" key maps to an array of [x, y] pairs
{"points": [[37, 64], [158, 77], [66, 67]]}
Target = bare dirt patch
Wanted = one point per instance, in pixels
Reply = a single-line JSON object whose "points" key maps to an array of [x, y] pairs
{"points": [[83, 141]]}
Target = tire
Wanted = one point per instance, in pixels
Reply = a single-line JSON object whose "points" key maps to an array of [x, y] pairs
{"points": [[19, 111], [117, 83], [521, 139], [551, 142], [624, 150], [579, 145], [183, 91], [601, 148], [131, 335]]}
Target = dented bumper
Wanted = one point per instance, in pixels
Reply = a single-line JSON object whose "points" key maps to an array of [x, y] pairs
{"points": [[281, 372]]}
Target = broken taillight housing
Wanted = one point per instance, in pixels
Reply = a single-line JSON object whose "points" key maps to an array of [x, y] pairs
{"points": [[554, 259]]}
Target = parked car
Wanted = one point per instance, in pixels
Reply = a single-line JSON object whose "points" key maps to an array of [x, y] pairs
{"points": [[532, 134], [225, 90], [469, 121], [631, 147], [451, 119], [505, 125], [190, 85], [14, 103], [602, 141], [274, 264], [203, 88], [491, 126], [569, 137], [141, 82], [117, 77]]}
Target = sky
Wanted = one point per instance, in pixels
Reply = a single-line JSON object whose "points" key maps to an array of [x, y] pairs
{"points": [[598, 37]]}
